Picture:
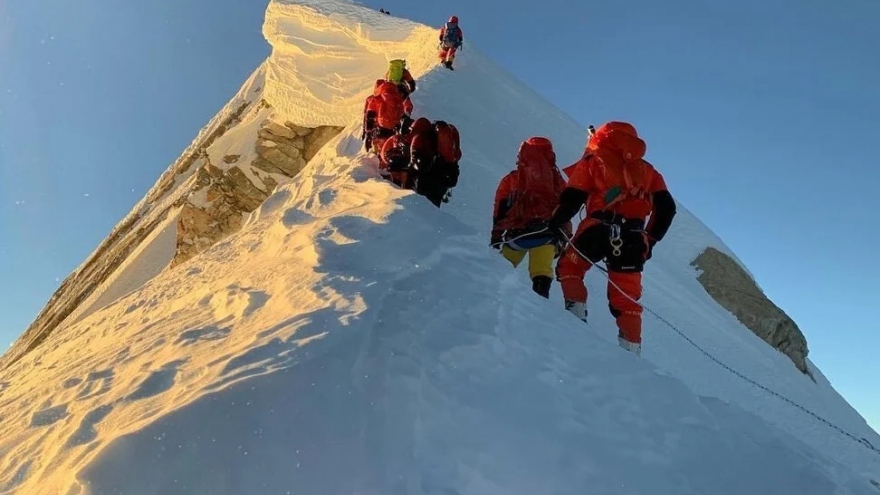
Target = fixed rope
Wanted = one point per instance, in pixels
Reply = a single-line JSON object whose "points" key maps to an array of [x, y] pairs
{"points": [[861, 441]]}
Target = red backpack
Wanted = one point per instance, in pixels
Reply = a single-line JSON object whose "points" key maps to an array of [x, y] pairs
{"points": [[390, 111], [622, 176], [448, 148], [538, 183]]}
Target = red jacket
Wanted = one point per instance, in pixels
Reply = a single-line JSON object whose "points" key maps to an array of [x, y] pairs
{"points": [[613, 177], [443, 33], [391, 107], [520, 201]]}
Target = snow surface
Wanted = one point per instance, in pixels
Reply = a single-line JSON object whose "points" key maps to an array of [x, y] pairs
{"points": [[354, 339], [147, 261], [157, 207]]}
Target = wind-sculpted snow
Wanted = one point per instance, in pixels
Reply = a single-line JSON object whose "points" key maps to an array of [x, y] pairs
{"points": [[327, 55], [352, 338]]}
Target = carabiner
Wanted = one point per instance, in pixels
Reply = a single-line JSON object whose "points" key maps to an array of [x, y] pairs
{"points": [[615, 240]]}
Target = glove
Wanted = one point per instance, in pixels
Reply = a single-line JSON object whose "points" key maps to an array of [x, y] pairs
{"points": [[651, 242], [497, 239], [560, 231]]}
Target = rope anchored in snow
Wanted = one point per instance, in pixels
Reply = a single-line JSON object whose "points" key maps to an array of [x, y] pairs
{"points": [[862, 441]]}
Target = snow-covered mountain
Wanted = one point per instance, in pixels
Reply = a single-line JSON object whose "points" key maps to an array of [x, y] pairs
{"points": [[275, 318]]}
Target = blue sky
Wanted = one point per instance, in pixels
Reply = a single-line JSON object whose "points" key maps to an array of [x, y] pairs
{"points": [[760, 115]]}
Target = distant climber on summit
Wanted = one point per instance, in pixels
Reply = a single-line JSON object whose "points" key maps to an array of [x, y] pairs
{"points": [[620, 190], [524, 202], [451, 39]]}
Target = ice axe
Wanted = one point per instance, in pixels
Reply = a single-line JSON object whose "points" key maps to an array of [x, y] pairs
{"points": [[590, 131]]}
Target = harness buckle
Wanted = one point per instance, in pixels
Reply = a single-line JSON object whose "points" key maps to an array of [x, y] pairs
{"points": [[615, 240]]}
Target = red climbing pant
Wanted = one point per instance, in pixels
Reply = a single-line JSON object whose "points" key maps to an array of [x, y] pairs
{"points": [[571, 270], [447, 54]]}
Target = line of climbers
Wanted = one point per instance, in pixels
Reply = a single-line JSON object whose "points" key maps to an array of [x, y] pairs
{"points": [[415, 154], [628, 206], [628, 210]]}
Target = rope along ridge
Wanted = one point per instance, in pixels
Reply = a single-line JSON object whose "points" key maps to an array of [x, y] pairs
{"points": [[861, 441]]}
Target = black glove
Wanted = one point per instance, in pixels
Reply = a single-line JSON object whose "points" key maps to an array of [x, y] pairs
{"points": [[651, 242], [497, 239], [559, 231], [452, 175]]}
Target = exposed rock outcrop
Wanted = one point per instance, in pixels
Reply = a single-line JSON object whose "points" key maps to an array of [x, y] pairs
{"points": [[732, 287], [221, 199]]}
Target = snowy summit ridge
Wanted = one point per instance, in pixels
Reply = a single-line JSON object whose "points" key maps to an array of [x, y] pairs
{"points": [[275, 318]]}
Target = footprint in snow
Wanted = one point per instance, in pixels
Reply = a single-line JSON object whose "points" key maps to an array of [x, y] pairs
{"points": [[158, 382], [295, 216], [49, 416], [71, 382], [86, 431], [96, 383], [210, 332]]}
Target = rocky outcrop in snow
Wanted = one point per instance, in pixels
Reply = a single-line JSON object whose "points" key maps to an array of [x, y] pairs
{"points": [[729, 285], [223, 195]]}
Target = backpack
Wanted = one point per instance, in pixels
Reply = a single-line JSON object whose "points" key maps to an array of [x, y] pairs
{"points": [[620, 172], [390, 109], [371, 108], [395, 71], [447, 142], [452, 35], [538, 184]]}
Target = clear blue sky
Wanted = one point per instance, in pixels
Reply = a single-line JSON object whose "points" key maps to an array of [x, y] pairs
{"points": [[760, 114]]}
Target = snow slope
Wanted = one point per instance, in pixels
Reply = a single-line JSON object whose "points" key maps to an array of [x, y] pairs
{"points": [[354, 339]]}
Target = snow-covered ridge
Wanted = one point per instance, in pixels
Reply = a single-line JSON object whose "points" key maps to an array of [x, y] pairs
{"points": [[142, 244], [321, 68], [327, 55], [351, 338]]}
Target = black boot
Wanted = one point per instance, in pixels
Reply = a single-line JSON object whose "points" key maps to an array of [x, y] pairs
{"points": [[541, 285]]}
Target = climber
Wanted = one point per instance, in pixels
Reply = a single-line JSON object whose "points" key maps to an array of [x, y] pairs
{"points": [[620, 190], [451, 39], [384, 111], [400, 75], [524, 202], [394, 158], [371, 107], [435, 153]]}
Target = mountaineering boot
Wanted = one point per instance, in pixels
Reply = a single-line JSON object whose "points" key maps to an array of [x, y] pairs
{"points": [[541, 285], [630, 346], [578, 309]]}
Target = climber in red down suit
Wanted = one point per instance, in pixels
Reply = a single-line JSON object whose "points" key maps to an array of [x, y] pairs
{"points": [[451, 39], [384, 111], [424, 158], [620, 190], [395, 156], [435, 155]]}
